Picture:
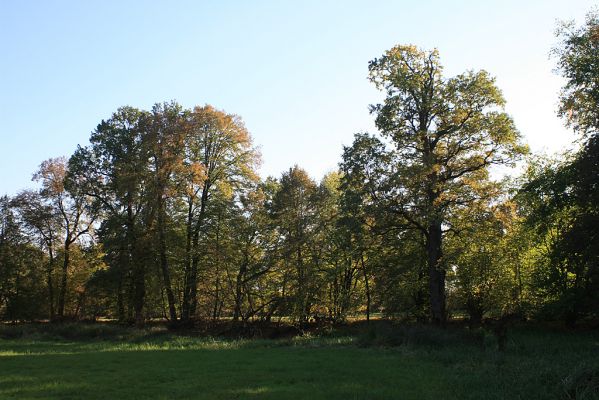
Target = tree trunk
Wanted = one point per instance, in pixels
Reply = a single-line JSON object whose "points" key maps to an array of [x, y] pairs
{"points": [[239, 291], [193, 279], [216, 298], [120, 303], [475, 309], [137, 269], [301, 283], [63, 280], [49, 283], [436, 273], [188, 257], [139, 293], [190, 301], [367, 288], [164, 264]]}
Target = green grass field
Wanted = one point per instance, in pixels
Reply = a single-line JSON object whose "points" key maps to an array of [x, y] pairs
{"points": [[421, 364]]}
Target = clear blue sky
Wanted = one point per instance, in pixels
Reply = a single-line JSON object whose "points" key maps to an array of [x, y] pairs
{"points": [[294, 70]]}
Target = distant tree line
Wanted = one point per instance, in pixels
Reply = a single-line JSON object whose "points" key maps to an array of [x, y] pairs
{"points": [[163, 214]]}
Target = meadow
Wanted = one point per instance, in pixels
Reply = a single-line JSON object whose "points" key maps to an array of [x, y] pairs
{"points": [[103, 361]]}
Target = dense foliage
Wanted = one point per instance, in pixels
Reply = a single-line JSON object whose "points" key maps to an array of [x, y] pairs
{"points": [[163, 216]]}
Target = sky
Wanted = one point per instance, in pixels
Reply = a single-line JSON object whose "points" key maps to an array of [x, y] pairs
{"points": [[295, 71]]}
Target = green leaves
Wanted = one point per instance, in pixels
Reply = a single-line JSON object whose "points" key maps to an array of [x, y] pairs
{"points": [[577, 56]]}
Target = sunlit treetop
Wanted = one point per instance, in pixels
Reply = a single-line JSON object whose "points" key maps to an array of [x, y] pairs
{"points": [[578, 61]]}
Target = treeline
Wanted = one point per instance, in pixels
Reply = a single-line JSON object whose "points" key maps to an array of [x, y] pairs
{"points": [[163, 214]]}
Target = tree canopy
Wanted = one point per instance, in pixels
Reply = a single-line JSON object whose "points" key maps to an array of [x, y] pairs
{"points": [[164, 216]]}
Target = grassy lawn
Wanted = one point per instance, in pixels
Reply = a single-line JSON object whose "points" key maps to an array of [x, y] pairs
{"points": [[427, 365]]}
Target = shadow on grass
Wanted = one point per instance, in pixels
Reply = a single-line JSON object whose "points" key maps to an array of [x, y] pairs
{"points": [[406, 363], [278, 372]]}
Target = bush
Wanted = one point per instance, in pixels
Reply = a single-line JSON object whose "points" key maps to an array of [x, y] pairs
{"points": [[418, 335], [68, 331]]}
